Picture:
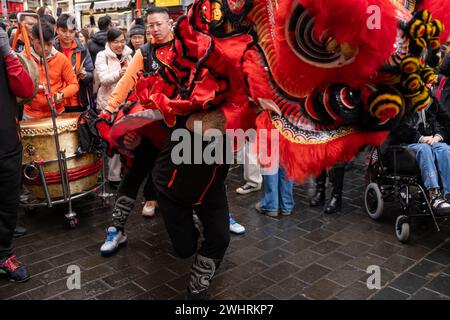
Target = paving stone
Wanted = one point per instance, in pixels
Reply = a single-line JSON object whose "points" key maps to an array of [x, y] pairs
{"points": [[323, 289], [440, 284], [274, 256], [286, 288], [355, 291], [86, 291], [122, 293], [408, 283], [385, 250], [297, 245], [253, 286], [425, 294], [318, 235], [390, 294], [346, 275], [122, 277], [325, 247], [249, 269], [354, 248], [270, 243], [398, 264], [280, 271], [334, 260], [427, 269], [303, 258], [312, 273], [439, 256]]}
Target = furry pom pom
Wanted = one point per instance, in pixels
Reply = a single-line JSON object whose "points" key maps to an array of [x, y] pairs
{"points": [[439, 9]]}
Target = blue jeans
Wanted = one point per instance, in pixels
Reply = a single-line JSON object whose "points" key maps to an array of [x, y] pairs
{"points": [[434, 162], [277, 193]]}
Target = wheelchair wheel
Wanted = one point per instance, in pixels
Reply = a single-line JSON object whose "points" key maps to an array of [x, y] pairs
{"points": [[402, 228], [373, 200]]}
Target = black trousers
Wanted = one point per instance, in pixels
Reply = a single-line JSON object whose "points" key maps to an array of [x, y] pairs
{"points": [[10, 177], [144, 160], [212, 212]]}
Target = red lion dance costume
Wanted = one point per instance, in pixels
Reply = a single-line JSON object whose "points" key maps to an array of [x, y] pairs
{"points": [[339, 82], [340, 72]]}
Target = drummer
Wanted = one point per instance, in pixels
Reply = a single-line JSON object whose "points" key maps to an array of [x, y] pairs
{"points": [[63, 81], [79, 56]]}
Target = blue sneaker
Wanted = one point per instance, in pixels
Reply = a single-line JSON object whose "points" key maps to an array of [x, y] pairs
{"points": [[114, 238], [235, 227]]}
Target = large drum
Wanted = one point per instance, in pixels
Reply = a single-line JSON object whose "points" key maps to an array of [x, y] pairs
{"points": [[39, 150]]}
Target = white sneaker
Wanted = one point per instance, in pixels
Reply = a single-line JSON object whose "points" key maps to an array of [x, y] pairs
{"points": [[235, 227], [148, 210], [247, 188], [113, 239]]}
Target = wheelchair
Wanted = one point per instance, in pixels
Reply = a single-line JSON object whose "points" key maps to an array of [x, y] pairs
{"points": [[394, 175]]}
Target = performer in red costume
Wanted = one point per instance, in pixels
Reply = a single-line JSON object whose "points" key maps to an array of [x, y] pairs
{"points": [[339, 83]]}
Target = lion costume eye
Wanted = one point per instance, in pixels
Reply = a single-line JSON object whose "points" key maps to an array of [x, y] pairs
{"points": [[324, 53]]}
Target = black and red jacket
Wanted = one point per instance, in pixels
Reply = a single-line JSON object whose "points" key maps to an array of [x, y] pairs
{"points": [[14, 82]]}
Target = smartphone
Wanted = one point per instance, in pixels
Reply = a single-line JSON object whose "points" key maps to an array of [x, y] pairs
{"points": [[58, 11]]}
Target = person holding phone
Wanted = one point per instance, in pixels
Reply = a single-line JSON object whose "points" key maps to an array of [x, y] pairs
{"points": [[67, 43], [110, 66]]}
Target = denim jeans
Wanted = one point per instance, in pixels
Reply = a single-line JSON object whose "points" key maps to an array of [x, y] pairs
{"points": [[434, 162], [277, 192]]}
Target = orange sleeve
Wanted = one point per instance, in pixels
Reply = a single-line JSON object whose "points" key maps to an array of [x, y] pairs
{"points": [[69, 78], [127, 82]]}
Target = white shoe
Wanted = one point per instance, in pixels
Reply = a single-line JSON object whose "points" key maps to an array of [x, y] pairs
{"points": [[235, 227], [113, 239], [247, 188], [148, 210]]}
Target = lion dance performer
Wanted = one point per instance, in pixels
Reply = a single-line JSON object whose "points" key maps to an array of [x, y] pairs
{"points": [[329, 76]]}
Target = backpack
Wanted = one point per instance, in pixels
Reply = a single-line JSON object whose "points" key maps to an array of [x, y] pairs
{"points": [[150, 65]]}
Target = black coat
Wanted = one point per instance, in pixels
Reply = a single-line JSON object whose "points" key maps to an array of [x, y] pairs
{"points": [[9, 135], [444, 69], [97, 44], [411, 129]]}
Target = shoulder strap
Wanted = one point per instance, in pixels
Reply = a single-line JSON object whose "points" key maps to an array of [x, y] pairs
{"points": [[146, 51]]}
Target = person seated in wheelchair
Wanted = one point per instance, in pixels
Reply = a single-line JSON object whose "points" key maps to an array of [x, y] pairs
{"points": [[424, 132]]}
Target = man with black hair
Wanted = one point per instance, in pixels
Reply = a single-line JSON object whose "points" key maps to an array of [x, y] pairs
{"points": [[63, 81], [98, 41], [50, 20], [14, 81], [79, 56], [144, 154]]}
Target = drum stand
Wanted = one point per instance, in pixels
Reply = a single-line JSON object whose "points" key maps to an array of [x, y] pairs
{"points": [[71, 216]]}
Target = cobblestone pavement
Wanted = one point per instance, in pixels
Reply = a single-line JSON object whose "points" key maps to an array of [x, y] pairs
{"points": [[304, 256]]}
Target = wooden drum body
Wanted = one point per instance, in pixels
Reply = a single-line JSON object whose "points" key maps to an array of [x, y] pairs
{"points": [[39, 149]]}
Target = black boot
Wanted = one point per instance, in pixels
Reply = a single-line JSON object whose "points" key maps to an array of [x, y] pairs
{"points": [[201, 275], [319, 197], [122, 209], [335, 203]]}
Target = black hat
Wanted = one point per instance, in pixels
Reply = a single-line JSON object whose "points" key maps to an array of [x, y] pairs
{"points": [[137, 29]]}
